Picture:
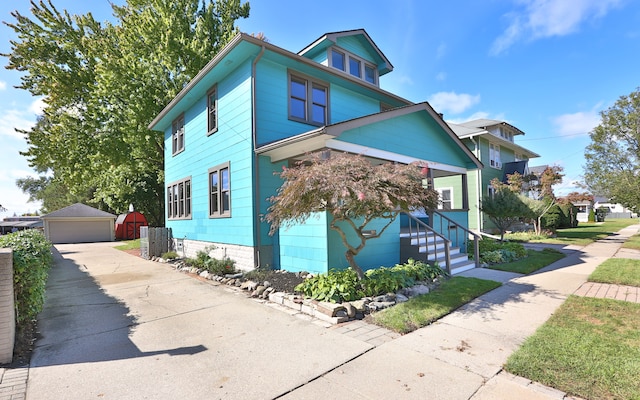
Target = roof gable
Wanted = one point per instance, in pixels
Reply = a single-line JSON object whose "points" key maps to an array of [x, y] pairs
{"points": [[321, 138], [341, 39], [79, 210]]}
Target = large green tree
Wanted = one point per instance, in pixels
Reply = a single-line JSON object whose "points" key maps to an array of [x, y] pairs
{"points": [[354, 192], [103, 83], [612, 166]]}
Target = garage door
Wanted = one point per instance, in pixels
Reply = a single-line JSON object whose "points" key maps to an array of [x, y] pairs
{"points": [[80, 231]]}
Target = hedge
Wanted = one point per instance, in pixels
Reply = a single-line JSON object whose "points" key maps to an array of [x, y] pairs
{"points": [[31, 261]]}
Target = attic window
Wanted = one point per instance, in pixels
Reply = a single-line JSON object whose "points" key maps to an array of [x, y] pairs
{"points": [[353, 65]]}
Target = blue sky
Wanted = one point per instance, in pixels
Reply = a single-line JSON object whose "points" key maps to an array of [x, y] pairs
{"points": [[546, 66]]}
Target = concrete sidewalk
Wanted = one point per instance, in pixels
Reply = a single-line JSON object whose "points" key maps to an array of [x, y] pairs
{"points": [[119, 327], [461, 356]]}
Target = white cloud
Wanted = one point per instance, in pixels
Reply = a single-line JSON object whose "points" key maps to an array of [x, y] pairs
{"points": [[547, 18], [10, 120], [581, 122], [3, 85], [451, 102]]}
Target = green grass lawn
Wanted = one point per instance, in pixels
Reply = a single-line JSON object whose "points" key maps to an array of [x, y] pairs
{"points": [[422, 310], [588, 348], [588, 232], [129, 245], [620, 271], [533, 262], [632, 243]]}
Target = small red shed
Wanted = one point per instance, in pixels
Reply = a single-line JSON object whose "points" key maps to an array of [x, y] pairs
{"points": [[128, 225]]}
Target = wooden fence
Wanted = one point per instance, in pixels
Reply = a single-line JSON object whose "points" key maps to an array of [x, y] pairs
{"points": [[154, 242]]}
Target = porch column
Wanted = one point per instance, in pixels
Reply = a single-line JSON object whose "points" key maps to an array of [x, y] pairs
{"points": [[465, 193]]}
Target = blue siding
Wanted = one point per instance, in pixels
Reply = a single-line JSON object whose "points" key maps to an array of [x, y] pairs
{"points": [[303, 247], [346, 104], [231, 143], [272, 104], [353, 45], [381, 252], [413, 135]]}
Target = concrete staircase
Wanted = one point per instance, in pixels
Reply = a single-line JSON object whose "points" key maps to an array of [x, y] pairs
{"points": [[428, 247]]}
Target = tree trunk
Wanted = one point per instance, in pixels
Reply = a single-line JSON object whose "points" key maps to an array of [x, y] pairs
{"points": [[352, 263]]}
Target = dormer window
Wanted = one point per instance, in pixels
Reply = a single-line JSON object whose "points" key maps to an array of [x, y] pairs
{"points": [[337, 59], [353, 65]]}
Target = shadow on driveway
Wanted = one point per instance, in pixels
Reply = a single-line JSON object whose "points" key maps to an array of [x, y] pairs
{"points": [[80, 323]]}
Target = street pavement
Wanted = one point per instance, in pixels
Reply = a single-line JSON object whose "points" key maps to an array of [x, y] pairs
{"points": [[119, 327]]}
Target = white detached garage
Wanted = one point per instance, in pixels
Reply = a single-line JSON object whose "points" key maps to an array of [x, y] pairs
{"points": [[79, 223]]}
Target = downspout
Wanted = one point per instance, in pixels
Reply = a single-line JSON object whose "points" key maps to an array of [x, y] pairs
{"points": [[256, 162], [479, 190]]}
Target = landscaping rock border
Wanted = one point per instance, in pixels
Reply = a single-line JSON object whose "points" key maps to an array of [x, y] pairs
{"points": [[333, 313]]}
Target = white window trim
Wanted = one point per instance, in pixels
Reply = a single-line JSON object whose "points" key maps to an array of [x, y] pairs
{"points": [[346, 67], [491, 191], [494, 156], [440, 202]]}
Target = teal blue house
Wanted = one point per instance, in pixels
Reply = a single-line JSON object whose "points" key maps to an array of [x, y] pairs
{"points": [[257, 107]]}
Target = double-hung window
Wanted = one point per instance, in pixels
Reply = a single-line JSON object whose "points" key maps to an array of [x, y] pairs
{"points": [[177, 135], [353, 65], [308, 101], [446, 198], [494, 156], [219, 191], [338, 59], [179, 199], [212, 110]]}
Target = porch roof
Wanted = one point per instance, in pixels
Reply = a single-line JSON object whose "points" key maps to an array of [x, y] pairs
{"points": [[327, 137]]}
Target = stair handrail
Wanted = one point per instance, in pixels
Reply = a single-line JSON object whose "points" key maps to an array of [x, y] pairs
{"points": [[476, 237], [427, 228]]}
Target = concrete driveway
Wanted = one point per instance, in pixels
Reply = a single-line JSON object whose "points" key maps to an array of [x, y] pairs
{"points": [[119, 327]]}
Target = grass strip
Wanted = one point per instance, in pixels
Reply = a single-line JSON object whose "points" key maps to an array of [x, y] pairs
{"points": [[588, 232], [422, 310], [533, 262], [619, 271], [129, 245], [588, 348], [632, 243]]}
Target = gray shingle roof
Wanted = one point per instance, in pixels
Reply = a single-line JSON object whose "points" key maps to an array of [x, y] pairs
{"points": [[79, 210]]}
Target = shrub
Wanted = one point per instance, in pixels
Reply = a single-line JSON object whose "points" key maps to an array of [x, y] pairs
{"points": [[334, 286], [213, 265], [495, 252], [32, 259], [592, 216], [338, 286], [560, 216], [170, 255]]}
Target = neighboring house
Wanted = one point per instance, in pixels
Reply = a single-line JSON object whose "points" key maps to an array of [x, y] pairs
{"points": [[493, 143], [256, 108], [615, 210]]}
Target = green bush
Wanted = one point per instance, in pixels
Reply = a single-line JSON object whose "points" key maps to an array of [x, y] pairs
{"points": [[560, 216], [32, 259], [170, 255], [213, 265], [335, 286], [592, 216], [338, 286], [496, 252]]}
